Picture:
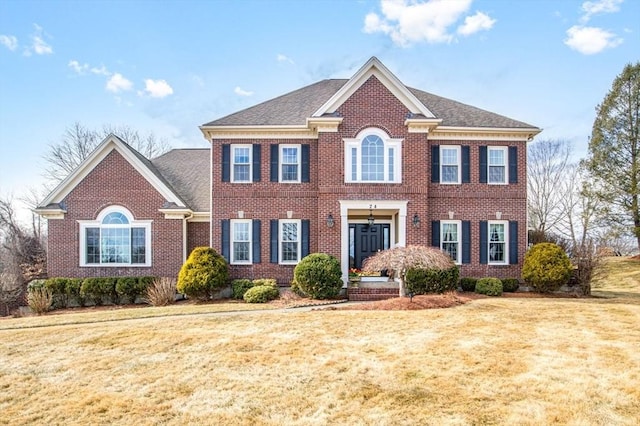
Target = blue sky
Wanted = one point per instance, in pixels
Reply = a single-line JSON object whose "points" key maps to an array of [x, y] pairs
{"points": [[170, 66]]}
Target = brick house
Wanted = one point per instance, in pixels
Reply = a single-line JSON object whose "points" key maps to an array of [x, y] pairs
{"points": [[345, 167]]}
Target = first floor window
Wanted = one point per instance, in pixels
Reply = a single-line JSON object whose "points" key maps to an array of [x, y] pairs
{"points": [[450, 239], [497, 242], [115, 239], [241, 241], [289, 241]]}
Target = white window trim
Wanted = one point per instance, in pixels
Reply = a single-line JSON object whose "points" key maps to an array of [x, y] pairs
{"points": [[458, 224], [280, 163], [458, 150], [394, 143], [280, 241], [232, 235], [232, 162], [505, 149], [505, 223], [97, 223]]}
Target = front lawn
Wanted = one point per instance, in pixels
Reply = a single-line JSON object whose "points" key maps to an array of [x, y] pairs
{"points": [[527, 361]]}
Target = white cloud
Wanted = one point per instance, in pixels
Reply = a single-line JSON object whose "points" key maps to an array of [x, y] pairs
{"points": [[241, 92], [412, 21], [590, 40], [283, 58], [9, 41], [157, 88], [475, 23], [117, 83], [38, 45], [100, 71], [591, 8], [80, 69]]}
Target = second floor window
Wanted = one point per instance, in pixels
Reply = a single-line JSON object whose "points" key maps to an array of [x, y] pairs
{"points": [[449, 164], [373, 157], [241, 158], [497, 164], [289, 163]]}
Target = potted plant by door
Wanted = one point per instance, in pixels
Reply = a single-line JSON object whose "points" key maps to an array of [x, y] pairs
{"points": [[354, 277]]}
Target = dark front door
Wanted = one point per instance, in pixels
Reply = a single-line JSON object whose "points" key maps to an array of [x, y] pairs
{"points": [[365, 240]]}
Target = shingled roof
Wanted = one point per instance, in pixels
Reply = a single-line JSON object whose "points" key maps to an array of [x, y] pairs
{"points": [[295, 107], [187, 172]]}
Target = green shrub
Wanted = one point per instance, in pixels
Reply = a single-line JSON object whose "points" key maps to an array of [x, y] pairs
{"points": [[423, 281], [266, 281], [129, 288], [468, 283], [35, 284], [73, 290], [239, 287], [261, 294], [510, 285], [319, 275], [203, 274], [145, 282], [489, 286], [295, 288], [97, 289], [58, 289], [546, 267]]}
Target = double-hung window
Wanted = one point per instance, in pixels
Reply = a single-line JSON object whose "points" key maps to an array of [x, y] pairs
{"points": [[450, 164], [498, 239], [373, 157], [240, 241], [450, 239], [115, 238], [289, 241], [290, 163], [497, 164], [241, 163]]}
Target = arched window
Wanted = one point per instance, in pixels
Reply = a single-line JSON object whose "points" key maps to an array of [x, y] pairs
{"points": [[373, 157], [115, 238]]}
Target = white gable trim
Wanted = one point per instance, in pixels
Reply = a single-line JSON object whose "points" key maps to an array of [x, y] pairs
{"points": [[376, 68], [105, 147]]}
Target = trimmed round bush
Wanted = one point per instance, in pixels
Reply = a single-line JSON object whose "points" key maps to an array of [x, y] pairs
{"points": [[510, 285], [73, 290], [129, 288], [58, 288], [97, 288], [319, 276], [489, 286], [295, 288], [424, 281], [546, 267], [239, 287], [203, 274], [468, 283], [261, 294], [265, 281]]}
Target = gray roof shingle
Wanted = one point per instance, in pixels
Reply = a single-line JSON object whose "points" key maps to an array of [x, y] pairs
{"points": [[295, 107], [187, 173]]}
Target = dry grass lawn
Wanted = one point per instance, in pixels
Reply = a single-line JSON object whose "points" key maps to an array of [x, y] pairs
{"points": [[526, 361]]}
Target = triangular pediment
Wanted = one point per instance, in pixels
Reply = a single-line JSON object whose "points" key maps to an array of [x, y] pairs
{"points": [[373, 67], [109, 144]]}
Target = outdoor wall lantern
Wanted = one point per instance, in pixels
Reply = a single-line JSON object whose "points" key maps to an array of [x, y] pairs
{"points": [[330, 221], [416, 220]]}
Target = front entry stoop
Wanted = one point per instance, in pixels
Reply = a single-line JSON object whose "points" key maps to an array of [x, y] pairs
{"points": [[373, 290]]}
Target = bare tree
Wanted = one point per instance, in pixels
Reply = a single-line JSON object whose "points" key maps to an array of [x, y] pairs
{"points": [[547, 162], [398, 260], [11, 282], [78, 142]]}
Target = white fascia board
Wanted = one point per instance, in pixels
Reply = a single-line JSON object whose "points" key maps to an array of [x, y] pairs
{"points": [[374, 67], [264, 132], [484, 133]]}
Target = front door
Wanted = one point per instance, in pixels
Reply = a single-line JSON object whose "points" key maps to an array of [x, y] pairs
{"points": [[366, 240]]}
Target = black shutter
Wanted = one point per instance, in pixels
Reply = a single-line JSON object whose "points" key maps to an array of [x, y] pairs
{"points": [[435, 164], [513, 164], [306, 223], [305, 163], [435, 233], [483, 164], [255, 236], [274, 162], [466, 167], [226, 163], [484, 242], [273, 239], [226, 238], [513, 242], [256, 162], [466, 241]]}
